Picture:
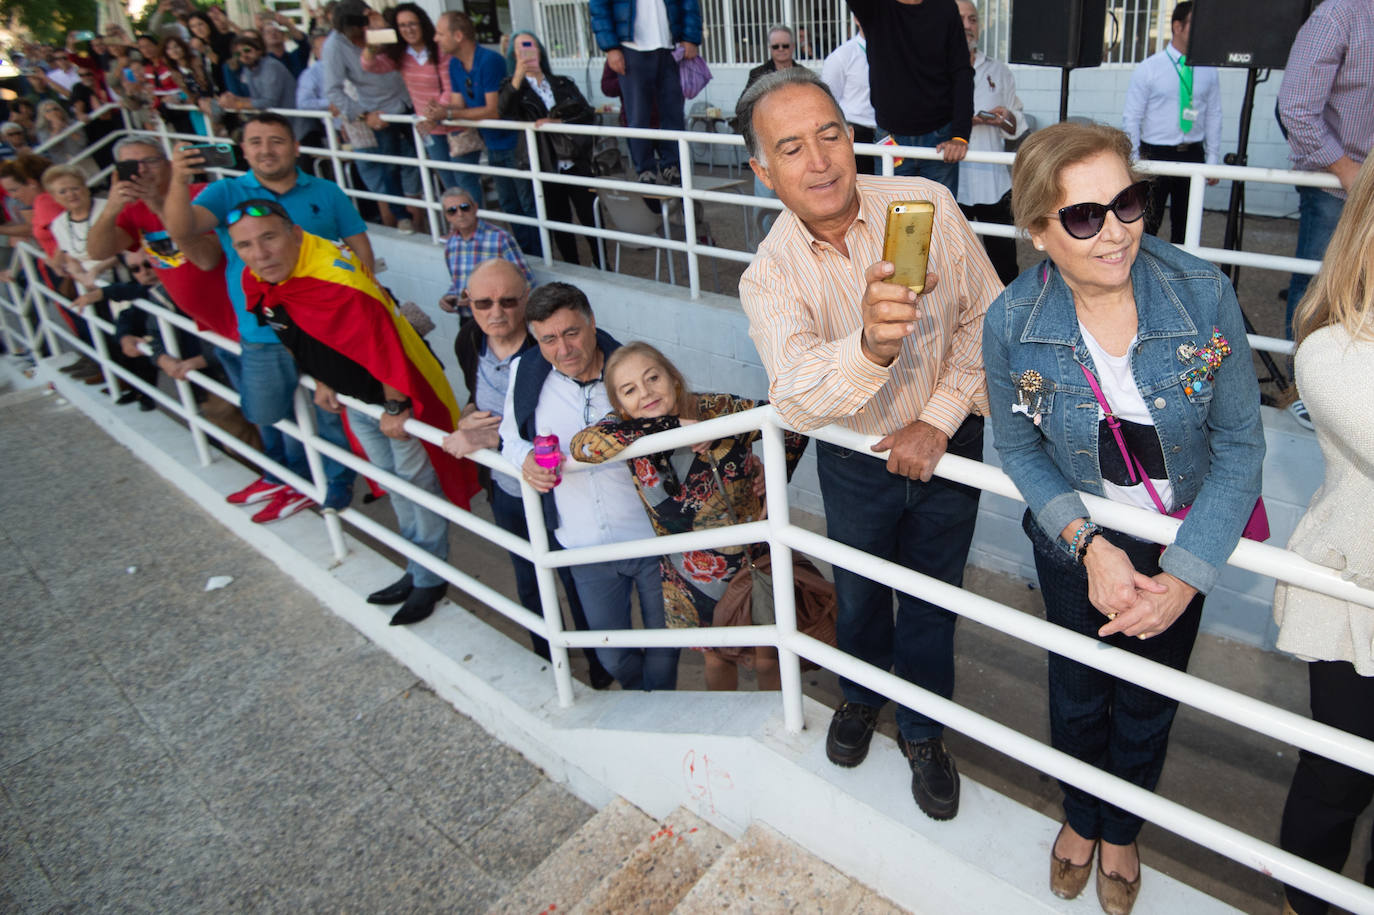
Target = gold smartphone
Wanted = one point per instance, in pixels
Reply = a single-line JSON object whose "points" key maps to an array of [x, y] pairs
{"points": [[906, 242]]}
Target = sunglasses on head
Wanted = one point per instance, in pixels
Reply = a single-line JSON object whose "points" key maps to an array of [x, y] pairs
{"points": [[507, 302], [255, 209], [1085, 220], [779, 47], [454, 209]]}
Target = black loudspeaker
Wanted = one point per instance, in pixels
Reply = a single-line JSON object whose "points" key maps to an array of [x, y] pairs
{"points": [[1242, 33], [1058, 33]]}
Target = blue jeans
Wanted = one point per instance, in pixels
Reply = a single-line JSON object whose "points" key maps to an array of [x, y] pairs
{"points": [[266, 378], [651, 78], [926, 527], [946, 173], [517, 197], [1112, 724], [384, 177], [605, 591], [407, 459], [1318, 213], [509, 513], [437, 148]]}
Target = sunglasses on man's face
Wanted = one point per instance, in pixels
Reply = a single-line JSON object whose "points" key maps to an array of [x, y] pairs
{"points": [[507, 302], [1085, 220], [464, 207], [780, 47]]}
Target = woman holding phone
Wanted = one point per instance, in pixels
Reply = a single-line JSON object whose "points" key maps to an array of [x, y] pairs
{"points": [[535, 94]]}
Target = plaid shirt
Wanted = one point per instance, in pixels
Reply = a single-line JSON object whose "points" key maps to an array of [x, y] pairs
{"points": [[489, 241], [1327, 98]]}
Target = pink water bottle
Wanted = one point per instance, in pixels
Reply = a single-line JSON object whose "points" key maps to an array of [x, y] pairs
{"points": [[546, 453]]}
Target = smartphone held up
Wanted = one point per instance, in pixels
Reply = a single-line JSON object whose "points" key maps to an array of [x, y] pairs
{"points": [[906, 241]]}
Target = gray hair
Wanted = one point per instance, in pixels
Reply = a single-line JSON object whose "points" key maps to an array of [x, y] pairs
{"points": [[145, 142], [792, 36], [766, 86], [456, 192]]}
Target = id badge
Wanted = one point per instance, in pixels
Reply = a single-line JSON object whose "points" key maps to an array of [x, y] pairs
{"points": [[1189, 114]]}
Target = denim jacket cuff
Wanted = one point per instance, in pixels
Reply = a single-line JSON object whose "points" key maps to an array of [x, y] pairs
{"points": [[1188, 568], [1057, 514]]}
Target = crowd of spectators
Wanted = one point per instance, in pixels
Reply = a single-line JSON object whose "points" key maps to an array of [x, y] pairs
{"points": [[1117, 365]]}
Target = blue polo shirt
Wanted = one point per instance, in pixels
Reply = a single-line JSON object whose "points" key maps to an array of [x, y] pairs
{"points": [[487, 74], [318, 206]]}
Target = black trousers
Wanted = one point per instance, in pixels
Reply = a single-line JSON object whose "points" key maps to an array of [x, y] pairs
{"points": [[1326, 798], [1001, 251], [1172, 190], [560, 200], [862, 134]]}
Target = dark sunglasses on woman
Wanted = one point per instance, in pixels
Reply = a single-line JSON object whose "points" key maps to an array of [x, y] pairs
{"points": [[1085, 220]]}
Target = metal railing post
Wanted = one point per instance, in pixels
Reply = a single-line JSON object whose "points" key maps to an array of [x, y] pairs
{"points": [[532, 148], [185, 393], [305, 421], [548, 593], [689, 219], [102, 354], [39, 303], [332, 139], [784, 594], [432, 216], [1192, 238]]}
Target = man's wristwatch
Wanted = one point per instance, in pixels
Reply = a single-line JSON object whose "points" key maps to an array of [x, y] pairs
{"points": [[396, 407]]}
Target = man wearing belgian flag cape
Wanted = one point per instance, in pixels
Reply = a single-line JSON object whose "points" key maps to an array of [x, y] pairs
{"points": [[345, 331]]}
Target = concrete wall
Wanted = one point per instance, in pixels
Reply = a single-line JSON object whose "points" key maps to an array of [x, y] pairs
{"points": [[1096, 93], [709, 341]]}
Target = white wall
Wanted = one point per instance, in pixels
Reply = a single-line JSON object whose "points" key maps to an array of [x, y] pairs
{"points": [[709, 340]]}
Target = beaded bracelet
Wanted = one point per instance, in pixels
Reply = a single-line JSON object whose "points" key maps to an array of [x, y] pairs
{"points": [[1080, 537]]}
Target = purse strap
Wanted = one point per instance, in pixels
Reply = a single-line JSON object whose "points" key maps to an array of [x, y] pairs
{"points": [[1133, 463]]}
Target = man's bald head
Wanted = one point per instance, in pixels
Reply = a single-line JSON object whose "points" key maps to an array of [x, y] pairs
{"points": [[497, 292], [496, 273]]}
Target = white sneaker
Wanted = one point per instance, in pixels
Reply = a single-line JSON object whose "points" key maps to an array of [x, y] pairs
{"points": [[406, 226], [1299, 411]]}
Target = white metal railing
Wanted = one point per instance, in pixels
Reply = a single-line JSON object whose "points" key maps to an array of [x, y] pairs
{"points": [[735, 32], [33, 310], [693, 199]]}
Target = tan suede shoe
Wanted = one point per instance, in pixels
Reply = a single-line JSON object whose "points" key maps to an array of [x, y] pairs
{"points": [[1114, 894], [1066, 878]]}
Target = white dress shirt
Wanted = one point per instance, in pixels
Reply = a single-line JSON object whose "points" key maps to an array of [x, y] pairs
{"points": [[651, 29], [1151, 112], [846, 73], [595, 506], [993, 87]]}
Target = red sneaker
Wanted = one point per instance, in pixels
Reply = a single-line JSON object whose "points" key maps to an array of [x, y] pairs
{"points": [[283, 505], [260, 490]]}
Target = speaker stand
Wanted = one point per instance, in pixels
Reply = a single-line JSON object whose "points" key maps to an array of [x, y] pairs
{"points": [[1064, 93], [1235, 222]]}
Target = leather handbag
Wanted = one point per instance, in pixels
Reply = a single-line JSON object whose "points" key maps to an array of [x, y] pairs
{"points": [[1256, 528], [761, 611]]}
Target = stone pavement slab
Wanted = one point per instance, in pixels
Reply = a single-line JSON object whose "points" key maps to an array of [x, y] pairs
{"points": [[164, 748]]}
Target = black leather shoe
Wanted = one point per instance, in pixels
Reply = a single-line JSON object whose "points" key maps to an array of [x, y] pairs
{"points": [[851, 731], [419, 605], [934, 778], [145, 403], [598, 676], [127, 397], [393, 593]]}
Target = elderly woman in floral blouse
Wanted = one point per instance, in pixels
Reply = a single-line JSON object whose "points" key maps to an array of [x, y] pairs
{"points": [[680, 491]]}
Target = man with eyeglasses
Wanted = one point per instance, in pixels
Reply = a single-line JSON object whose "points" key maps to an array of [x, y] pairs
{"points": [[561, 390], [471, 242], [345, 330], [486, 349], [264, 373], [843, 344], [132, 221]]}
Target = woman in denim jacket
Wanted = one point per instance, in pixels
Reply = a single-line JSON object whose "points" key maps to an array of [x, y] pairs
{"points": [[1162, 336]]}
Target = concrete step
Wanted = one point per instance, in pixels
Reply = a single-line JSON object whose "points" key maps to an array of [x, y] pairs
{"points": [[660, 871], [599, 847], [765, 873]]}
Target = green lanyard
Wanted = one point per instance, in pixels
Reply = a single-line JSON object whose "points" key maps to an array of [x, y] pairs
{"points": [[1185, 92]]}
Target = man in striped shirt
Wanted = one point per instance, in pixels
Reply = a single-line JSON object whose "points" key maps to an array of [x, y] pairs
{"points": [[842, 345]]}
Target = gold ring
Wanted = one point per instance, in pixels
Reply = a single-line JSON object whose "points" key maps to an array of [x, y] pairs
{"points": [[1141, 637], [1111, 616]]}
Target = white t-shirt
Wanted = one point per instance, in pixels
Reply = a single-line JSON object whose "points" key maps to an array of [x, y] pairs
{"points": [[1119, 388], [651, 27]]}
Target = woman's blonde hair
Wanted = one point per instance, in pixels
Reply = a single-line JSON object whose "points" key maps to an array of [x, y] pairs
{"points": [[49, 105], [1342, 291], [57, 172], [1036, 188], [686, 402]]}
